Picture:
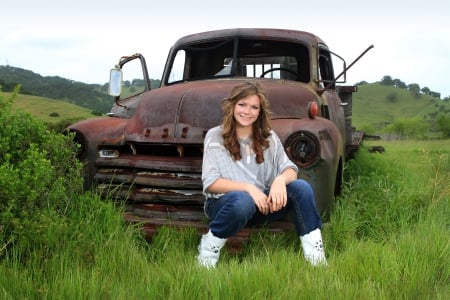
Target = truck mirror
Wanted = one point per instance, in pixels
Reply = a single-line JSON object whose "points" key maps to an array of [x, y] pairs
{"points": [[115, 82]]}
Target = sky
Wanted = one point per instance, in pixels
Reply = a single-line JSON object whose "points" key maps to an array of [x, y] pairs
{"points": [[82, 40]]}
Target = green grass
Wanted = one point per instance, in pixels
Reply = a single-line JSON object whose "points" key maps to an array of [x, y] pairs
{"points": [[42, 108], [388, 238]]}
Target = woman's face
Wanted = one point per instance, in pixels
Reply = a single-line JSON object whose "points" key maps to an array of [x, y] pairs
{"points": [[246, 111]]}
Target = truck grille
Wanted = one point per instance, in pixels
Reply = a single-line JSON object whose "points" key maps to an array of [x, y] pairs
{"points": [[151, 173]]}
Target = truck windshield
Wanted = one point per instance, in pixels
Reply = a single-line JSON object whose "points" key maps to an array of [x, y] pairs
{"points": [[241, 58]]}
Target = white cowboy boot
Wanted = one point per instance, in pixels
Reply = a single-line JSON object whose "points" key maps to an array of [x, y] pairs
{"points": [[313, 248], [209, 250]]}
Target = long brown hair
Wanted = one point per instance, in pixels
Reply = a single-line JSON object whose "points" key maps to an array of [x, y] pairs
{"points": [[260, 128]]}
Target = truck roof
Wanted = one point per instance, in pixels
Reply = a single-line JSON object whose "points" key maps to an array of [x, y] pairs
{"points": [[268, 33]]}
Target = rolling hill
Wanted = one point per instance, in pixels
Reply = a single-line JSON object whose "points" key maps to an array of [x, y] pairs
{"points": [[49, 110], [377, 105], [90, 96]]}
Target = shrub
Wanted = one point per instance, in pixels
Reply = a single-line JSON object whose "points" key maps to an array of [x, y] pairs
{"points": [[413, 128], [392, 98], [61, 125], [38, 176], [96, 113], [443, 124]]}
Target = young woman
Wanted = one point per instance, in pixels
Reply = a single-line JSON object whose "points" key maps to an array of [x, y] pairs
{"points": [[248, 179]]}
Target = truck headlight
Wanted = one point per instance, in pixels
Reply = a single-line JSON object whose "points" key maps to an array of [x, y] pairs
{"points": [[108, 153], [303, 148]]}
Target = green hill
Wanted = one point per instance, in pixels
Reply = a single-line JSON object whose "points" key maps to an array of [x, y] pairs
{"points": [[376, 105], [49, 110], [91, 96]]}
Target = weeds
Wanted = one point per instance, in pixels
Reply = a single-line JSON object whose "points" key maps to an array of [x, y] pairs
{"points": [[387, 238]]}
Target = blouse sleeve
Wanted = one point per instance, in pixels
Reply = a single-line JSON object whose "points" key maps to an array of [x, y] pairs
{"points": [[281, 159], [212, 153]]}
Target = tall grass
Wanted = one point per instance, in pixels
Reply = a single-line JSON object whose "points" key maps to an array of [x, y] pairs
{"points": [[387, 238]]}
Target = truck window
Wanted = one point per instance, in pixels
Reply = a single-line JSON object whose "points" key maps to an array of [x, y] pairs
{"points": [[326, 70], [241, 58], [178, 67], [325, 67]]}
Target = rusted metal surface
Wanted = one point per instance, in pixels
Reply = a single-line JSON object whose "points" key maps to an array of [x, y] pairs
{"points": [[153, 162], [169, 180], [357, 139], [138, 194]]}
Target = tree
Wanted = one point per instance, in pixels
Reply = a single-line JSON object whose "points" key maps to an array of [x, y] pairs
{"points": [[426, 90], [138, 82], [363, 82], [414, 89], [387, 80], [435, 95], [400, 84]]}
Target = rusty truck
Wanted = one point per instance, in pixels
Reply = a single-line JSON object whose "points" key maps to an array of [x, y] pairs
{"points": [[148, 150]]}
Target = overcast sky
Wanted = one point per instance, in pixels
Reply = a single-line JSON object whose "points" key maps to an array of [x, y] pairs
{"points": [[81, 40]]}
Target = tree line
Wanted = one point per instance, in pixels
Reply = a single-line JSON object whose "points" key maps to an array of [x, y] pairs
{"points": [[92, 96], [413, 88]]}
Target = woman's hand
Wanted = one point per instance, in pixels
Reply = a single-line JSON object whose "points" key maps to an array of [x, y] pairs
{"points": [[259, 198], [277, 198]]}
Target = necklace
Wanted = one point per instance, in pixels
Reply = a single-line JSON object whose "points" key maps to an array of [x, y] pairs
{"points": [[245, 141], [248, 150]]}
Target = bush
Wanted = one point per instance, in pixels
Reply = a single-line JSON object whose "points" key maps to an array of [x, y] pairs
{"points": [[443, 124], [96, 113], [413, 128], [39, 174], [61, 125]]}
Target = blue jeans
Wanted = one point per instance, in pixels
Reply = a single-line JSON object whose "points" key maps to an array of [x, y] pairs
{"points": [[235, 210]]}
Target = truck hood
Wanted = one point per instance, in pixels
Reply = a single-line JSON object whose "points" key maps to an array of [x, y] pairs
{"points": [[183, 113]]}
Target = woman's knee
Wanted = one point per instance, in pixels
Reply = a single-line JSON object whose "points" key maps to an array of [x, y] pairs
{"points": [[300, 186], [242, 203]]}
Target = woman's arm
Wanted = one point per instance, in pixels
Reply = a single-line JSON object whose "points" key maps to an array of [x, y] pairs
{"points": [[222, 185]]}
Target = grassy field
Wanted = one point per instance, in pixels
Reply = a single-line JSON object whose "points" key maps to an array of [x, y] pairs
{"points": [[49, 110], [388, 238]]}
